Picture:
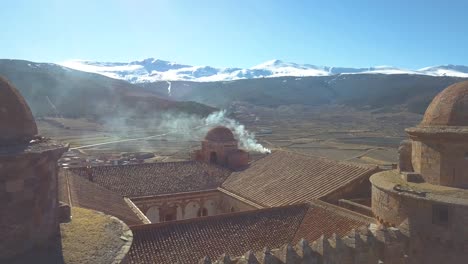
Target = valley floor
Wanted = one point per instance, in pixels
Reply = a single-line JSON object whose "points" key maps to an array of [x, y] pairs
{"points": [[334, 132]]}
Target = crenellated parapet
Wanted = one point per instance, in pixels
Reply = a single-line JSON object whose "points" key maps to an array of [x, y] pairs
{"points": [[372, 244]]}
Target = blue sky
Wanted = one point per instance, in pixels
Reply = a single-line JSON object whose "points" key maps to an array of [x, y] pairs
{"points": [[242, 33]]}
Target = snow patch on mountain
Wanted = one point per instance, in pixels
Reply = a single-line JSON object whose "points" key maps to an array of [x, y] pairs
{"points": [[446, 70], [152, 70]]}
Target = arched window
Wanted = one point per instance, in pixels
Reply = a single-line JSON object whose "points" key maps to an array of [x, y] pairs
{"points": [[232, 209], [202, 212]]}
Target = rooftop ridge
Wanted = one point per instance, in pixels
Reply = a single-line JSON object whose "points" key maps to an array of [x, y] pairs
{"points": [[172, 194], [137, 211], [220, 216], [151, 164], [361, 165], [238, 197], [286, 177], [342, 211]]}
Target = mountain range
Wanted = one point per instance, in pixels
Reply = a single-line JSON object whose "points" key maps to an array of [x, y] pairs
{"points": [[153, 70], [51, 89]]}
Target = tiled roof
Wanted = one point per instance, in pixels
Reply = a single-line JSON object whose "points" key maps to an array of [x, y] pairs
{"points": [[325, 219], [283, 178], [188, 241], [80, 192], [157, 178]]}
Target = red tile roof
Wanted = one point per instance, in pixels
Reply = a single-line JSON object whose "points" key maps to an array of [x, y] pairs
{"points": [[283, 178], [325, 219], [188, 241], [76, 191], [157, 178]]}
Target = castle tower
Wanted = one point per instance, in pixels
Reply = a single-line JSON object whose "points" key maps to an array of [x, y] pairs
{"points": [[428, 195], [220, 147], [28, 180], [440, 142]]}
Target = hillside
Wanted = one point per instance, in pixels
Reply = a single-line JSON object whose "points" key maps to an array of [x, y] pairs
{"points": [[80, 94], [363, 91]]}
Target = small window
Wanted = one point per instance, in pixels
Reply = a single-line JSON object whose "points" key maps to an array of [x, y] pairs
{"points": [[202, 212], [232, 209], [466, 155], [440, 215]]}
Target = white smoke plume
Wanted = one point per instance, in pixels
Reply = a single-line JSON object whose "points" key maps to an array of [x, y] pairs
{"points": [[179, 125], [246, 139], [195, 128]]}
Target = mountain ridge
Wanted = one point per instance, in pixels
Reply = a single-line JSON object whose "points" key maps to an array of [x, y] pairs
{"points": [[153, 70], [51, 89]]}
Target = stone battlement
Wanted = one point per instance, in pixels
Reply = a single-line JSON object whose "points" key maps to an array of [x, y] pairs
{"points": [[372, 244]]}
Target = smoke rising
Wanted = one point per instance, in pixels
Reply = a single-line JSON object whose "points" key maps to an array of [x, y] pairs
{"points": [[195, 128], [181, 126], [246, 139]]}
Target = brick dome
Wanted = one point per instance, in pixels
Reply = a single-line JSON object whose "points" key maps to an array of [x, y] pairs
{"points": [[17, 123], [220, 134], [449, 107]]}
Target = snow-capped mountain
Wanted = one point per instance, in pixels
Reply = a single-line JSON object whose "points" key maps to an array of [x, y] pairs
{"points": [[152, 70]]}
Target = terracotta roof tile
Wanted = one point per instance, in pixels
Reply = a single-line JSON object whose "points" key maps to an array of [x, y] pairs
{"points": [[283, 178], [157, 178], [86, 194], [325, 219], [188, 241]]}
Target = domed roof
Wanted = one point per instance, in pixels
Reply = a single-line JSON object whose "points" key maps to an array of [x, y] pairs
{"points": [[449, 107], [17, 123], [220, 134]]}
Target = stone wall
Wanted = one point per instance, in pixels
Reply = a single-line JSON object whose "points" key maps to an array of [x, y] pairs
{"points": [[441, 162], [190, 205], [360, 188], [436, 226], [229, 203], [221, 149], [404, 156], [181, 206], [28, 201], [368, 245], [388, 207]]}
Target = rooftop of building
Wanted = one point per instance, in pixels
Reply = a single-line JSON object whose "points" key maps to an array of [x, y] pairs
{"points": [[156, 178], [220, 134], [284, 177], [391, 181], [327, 219], [187, 241], [449, 107], [79, 192]]}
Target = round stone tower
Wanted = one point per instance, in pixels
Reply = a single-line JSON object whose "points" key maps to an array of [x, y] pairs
{"points": [[428, 196], [28, 180], [440, 142], [220, 147]]}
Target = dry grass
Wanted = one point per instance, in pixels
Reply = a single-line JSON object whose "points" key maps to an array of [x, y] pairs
{"points": [[91, 237]]}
